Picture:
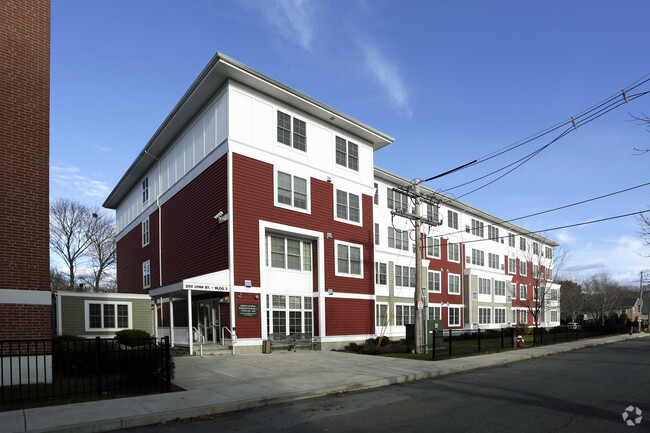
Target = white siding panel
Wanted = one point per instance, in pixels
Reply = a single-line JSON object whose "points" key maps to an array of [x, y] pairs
{"points": [[188, 150], [241, 121], [222, 118], [319, 147], [165, 173], [264, 134], [210, 132], [199, 140]]}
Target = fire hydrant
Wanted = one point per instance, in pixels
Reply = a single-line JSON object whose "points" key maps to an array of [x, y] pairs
{"points": [[520, 341]]}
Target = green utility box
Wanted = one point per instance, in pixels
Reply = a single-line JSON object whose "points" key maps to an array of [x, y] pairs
{"points": [[434, 325]]}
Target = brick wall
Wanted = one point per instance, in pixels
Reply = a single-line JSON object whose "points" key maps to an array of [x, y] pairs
{"points": [[24, 189]]}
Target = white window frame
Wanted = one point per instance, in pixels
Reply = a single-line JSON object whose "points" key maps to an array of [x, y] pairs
{"points": [[449, 277], [512, 269], [523, 268], [549, 252], [287, 309], [478, 257], [146, 274], [305, 258], [402, 271], [146, 236], [433, 245], [523, 313], [449, 322], [431, 278], [348, 207], [493, 233], [511, 240], [523, 291], [393, 197], [554, 316], [478, 228], [501, 289], [493, 260], [484, 315], [291, 206], [145, 191], [499, 311], [435, 312], [87, 304], [380, 315], [484, 286], [452, 219], [347, 154], [456, 251], [401, 235], [399, 318], [522, 243], [381, 269], [292, 131], [348, 274]]}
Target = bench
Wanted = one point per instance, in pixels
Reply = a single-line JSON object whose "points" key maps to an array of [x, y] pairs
{"points": [[292, 340]]}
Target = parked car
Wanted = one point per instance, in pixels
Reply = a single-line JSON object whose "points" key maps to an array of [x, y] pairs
{"points": [[573, 325]]}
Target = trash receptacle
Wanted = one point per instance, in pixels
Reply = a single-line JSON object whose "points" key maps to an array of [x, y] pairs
{"points": [[410, 333], [266, 346]]}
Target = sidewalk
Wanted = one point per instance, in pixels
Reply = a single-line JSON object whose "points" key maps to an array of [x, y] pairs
{"points": [[226, 383]]}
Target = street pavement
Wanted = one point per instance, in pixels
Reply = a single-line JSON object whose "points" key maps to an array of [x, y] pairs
{"points": [[224, 383]]}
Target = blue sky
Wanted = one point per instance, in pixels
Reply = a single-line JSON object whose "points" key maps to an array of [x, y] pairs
{"points": [[450, 81]]}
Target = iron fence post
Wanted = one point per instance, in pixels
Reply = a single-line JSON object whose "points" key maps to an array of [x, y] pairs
{"points": [[168, 365], [479, 340], [433, 351], [98, 364]]}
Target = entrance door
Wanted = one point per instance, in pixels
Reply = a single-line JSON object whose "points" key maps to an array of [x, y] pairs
{"points": [[208, 324]]}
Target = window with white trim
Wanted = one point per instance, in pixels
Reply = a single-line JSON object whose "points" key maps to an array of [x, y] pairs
{"points": [[291, 191], [548, 252], [376, 198], [511, 240], [347, 206], [433, 247], [146, 274], [484, 286], [549, 274], [453, 284], [145, 191], [453, 316], [522, 243], [535, 271], [289, 314], [380, 273], [287, 253], [396, 200], [552, 294], [523, 268], [477, 228], [514, 316], [349, 258], [554, 316], [493, 261], [484, 314], [453, 252], [523, 291], [433, 281], [296, 137], [523, 316], [499, 288], [404, 314], [478, 257], [434, 313], [398, 239], [452, 219], [432, 213], [513, 290], [107, 316], [493, 233], [499, 315], [512, 266], [347, 154], [535, 248], [145, 232], [404, 276], [376, 234], [381, 315]]}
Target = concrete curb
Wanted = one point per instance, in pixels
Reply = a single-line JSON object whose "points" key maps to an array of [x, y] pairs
{"points": [[20, 421]]}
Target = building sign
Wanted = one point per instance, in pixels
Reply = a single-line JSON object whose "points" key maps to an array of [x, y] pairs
{"points": [[208, 287], [247, 310]]}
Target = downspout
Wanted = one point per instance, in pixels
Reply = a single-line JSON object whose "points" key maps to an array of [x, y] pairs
{"points": [[159, 219]]}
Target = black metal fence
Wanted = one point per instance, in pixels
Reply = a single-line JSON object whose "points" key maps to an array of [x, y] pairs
{"points": [[462, 342], [59, 369]]}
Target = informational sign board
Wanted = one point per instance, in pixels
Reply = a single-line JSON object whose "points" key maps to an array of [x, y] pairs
{"points": [[208, 287], [248, 310]]}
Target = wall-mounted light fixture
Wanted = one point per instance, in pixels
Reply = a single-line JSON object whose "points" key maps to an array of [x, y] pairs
{"points": [[330, 291], [221, 217]]}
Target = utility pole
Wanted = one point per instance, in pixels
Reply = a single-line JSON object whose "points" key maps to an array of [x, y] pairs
{"points": [[414, 192], [640, 315]]}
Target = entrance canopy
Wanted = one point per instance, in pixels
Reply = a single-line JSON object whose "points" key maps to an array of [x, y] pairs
{"points": [[214, 282]]}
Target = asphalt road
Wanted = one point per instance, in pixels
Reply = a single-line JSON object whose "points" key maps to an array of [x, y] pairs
{"points": [[585, 390]]}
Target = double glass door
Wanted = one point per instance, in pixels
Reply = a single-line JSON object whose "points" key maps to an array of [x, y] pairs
{"points": [[209, 321]]}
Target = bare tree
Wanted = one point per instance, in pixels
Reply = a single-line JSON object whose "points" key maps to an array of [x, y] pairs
{"points": [[642, 120], [572, 300], [101, 250], [70, 223], [602, 295], [58, 281]]}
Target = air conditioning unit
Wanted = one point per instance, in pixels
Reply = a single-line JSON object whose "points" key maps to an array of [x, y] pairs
{"points": [[467, 229]]}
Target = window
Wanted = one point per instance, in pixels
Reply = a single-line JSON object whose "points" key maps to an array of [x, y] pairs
{"points": [[536, 293], [499, 288], [285, 133], [381, 316], [548, 252], [513, 289], [478, 257], [432, 213], [523, 268], [376, 234], [289, 314], [433, 247], [404, 276], [145, 232], [511, 240], [500, 315], [348, 260], [453, 287], [484, 315], [554, 316], [512, 266], [292, 190], [398, 239], [434, 313], [549, 274], [396, 200], [477, 228], [535, 271], [404, 315], [493, 233], [380, 273], [452, 219], [286, 253], [484, 286], [347, 206], [535, 248], [453, 253], [523, 316], [493, 261], [523, 291], [433, 278], [145, 191], [107, 315], [453, 316], [376, 199], [522, 243], [514, 316], [146, 274], [347, 154]]}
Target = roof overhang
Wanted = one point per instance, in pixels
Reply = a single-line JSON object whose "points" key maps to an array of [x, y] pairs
{"points": [[215, 75], [216, 282]]}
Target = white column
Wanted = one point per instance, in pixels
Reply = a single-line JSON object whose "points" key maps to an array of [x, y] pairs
{"points": [[171, 320], [155, 318], [189, 321]]}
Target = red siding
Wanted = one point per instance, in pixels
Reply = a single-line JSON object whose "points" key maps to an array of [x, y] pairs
{"points": [[131, 254], [350, 316], [248, 327]]}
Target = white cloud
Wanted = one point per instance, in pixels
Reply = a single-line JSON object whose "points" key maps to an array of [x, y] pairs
{"points": [[564, 237], [291, 19], [71, 182], [387, 74]]}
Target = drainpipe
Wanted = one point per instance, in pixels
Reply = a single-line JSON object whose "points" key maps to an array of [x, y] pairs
{"points": [[159, 219]]}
